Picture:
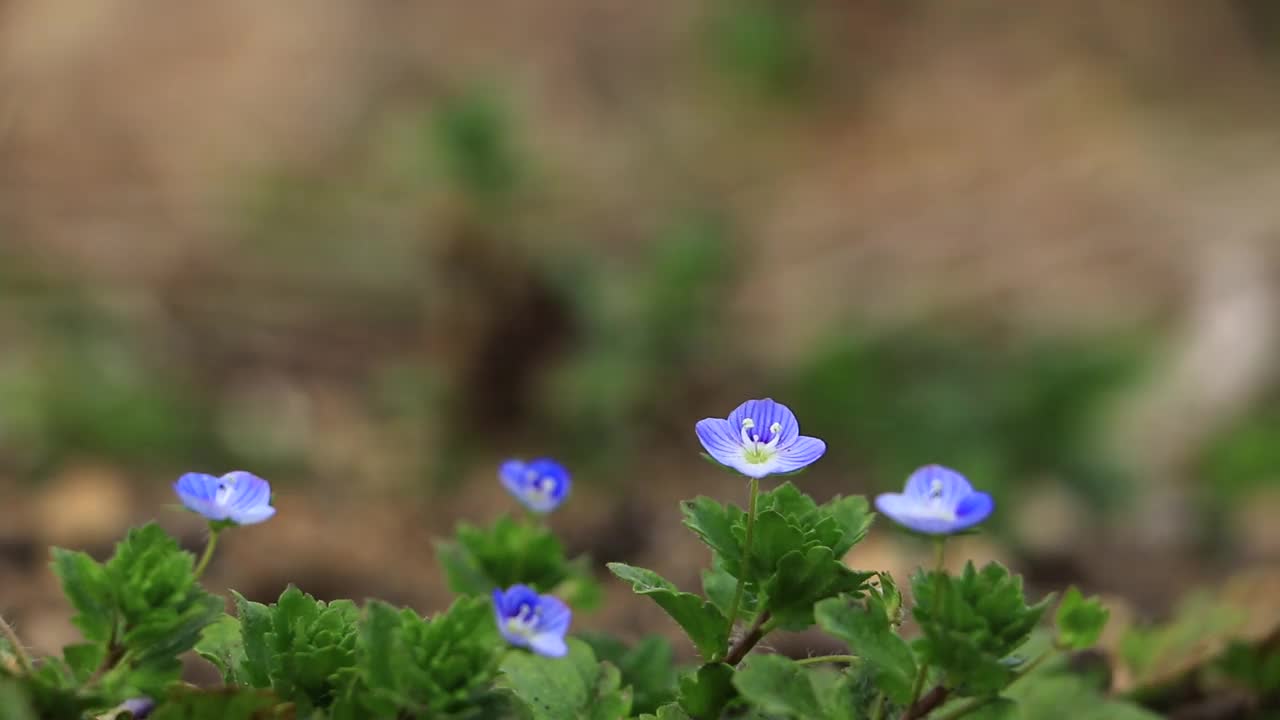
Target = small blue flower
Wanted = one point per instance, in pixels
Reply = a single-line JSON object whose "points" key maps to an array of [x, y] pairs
{"points": [[139, 707], [937, 501], [530, 620], [760, 438], [540, 485], [238, 497]]}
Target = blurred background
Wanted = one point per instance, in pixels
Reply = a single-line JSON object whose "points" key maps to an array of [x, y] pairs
{"points": [[369, 250]]}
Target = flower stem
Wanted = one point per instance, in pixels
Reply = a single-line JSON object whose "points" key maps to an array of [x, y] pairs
{"points": [[746, 555], [762, 626], [208, 551], [19, 652], [939, 557], [828, 659], [877, 710]]}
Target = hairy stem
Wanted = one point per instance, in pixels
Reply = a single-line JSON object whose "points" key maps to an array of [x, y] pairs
{"points": [[759, 629], [927, 703], [746, 556], [877, 710], [939, 559], [19, 652], [208, 551], [828, 659]]}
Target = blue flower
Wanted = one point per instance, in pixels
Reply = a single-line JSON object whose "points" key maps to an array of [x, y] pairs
{"points": [[238, 497], [139, 707], [760, 438], [533, 621], [541, 485], [937, 501]]}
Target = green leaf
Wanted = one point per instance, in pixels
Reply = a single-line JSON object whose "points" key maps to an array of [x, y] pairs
{"points": [[221, 704], [426, 668], [648, 668], [575, 686], [774, 538], [853, 516], [972, 623], [714, 523], [511, 552], [701, 621], [223, 646], [667, 712], [788, 501], [139, 611], [802, 579], [1080, 621], [86, 585], [255, 624], [778, 686], [705, 692], [865, 627], [1070, 697]]}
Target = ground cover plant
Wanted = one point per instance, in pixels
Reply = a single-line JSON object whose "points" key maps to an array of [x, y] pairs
{"points": [[935, 645]]}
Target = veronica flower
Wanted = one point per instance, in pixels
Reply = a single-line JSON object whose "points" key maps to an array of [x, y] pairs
{"points": [[760, 437], [139, 707], [237, 497], [540, 485], [530, 620], [937, 501]]}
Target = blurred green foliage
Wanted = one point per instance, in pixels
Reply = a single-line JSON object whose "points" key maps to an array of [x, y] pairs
{"points": [[1007, 414], [764, 45]]}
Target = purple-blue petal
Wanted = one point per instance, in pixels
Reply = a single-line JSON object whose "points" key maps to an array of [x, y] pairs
{"points": [[549, 644], [247, 490], [953, 485], [512, 475], [908, 512], [973, 509], [804, 451], [765, 413], [719, 440]]}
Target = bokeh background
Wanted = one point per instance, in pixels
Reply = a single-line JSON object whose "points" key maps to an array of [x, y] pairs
{"points": [[370, 249]]}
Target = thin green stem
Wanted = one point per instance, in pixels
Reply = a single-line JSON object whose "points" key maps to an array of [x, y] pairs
{"points": [[939, 559], [877, 710], [15, 643], [746, 556], [828, 659], [208, 551]]}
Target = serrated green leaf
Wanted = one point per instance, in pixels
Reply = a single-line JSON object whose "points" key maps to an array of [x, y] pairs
{"points": [[648, 668], [86, 585], [575, 686], [853, 517], [971, 623], [667, 712], [802, 579], [1080, 621], [1070, 697], [705, 692], [774, 538], [866, 628], [714, 523], [701, 621], [778, 686], [788, 500], [255, 624], [426, 668], [509, 552], [222, 645]]}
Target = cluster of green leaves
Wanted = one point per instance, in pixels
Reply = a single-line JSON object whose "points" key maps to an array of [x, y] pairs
{"points": [[778, 565], [480, 559]]}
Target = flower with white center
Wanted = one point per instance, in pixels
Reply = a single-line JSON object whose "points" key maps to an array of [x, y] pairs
{"points": [[530, 620], [936, 501], [759, 438], [238, 497], [540, 485]]}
